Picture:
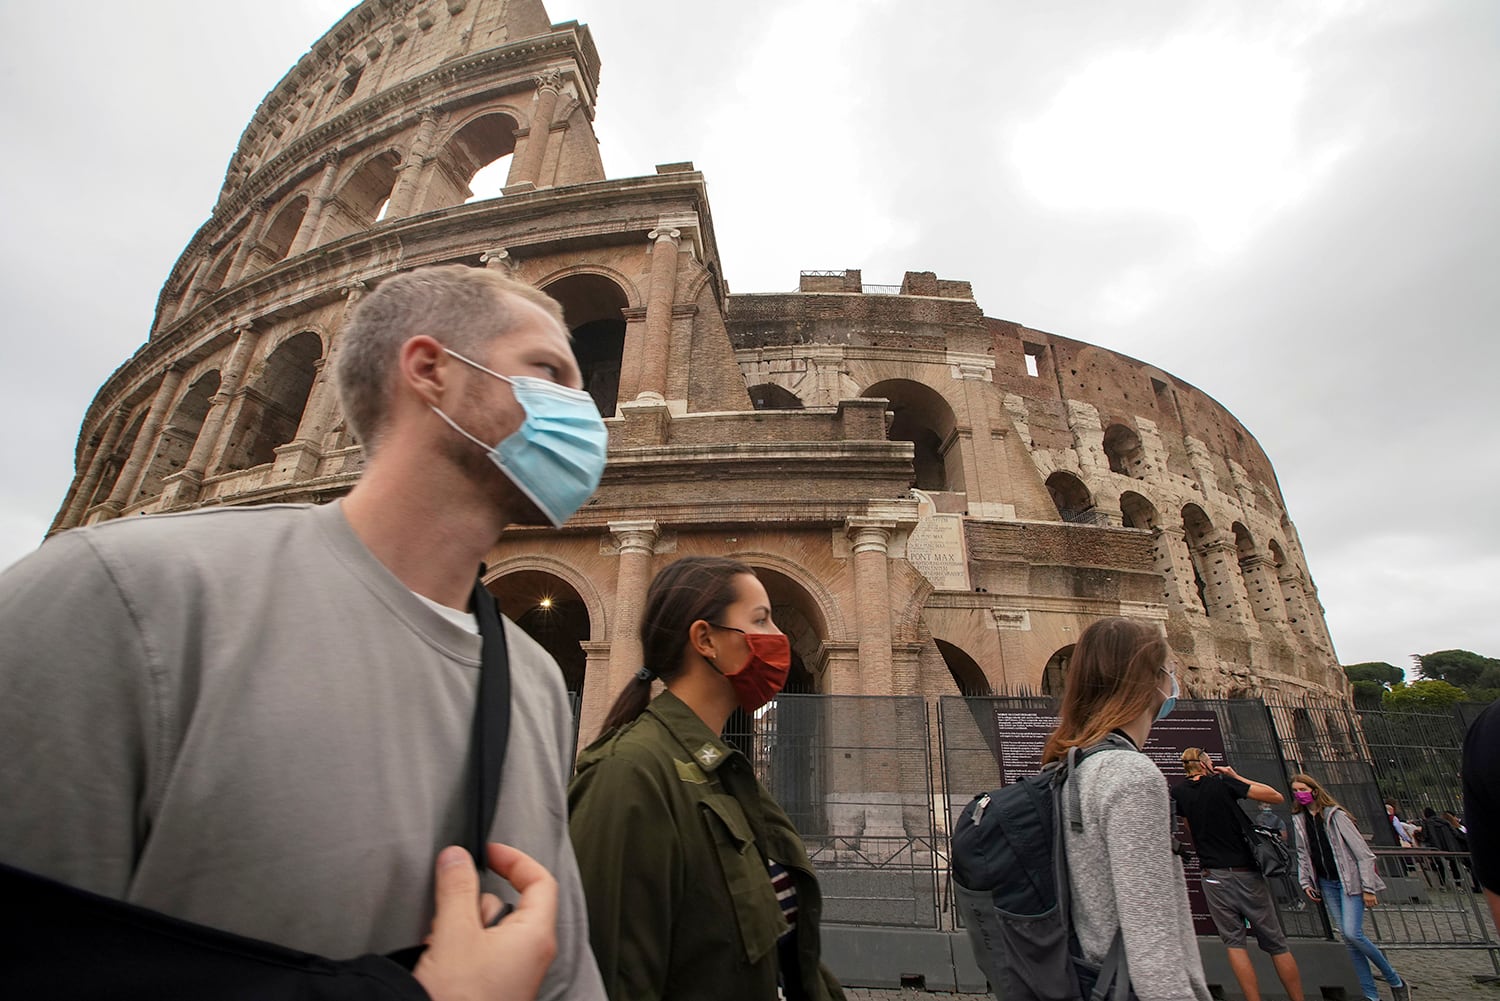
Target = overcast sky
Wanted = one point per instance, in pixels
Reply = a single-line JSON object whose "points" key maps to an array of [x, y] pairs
{"points": [[1290, 205]]}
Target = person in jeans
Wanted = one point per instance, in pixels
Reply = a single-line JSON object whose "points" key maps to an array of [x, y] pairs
{"points": [[1237, 894], [1336, 866]]}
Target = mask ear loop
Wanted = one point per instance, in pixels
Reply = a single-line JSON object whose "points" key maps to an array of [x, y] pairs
{"points": [[452, 424]]}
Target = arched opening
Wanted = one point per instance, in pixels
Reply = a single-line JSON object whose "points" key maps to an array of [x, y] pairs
{"points": [[924, 418], [594, 309], [967, 674], [474, 164], [1198, 530], [1123, 448], [359, 202], [1137, 512], [180, 434], [278, 237], [769, 396], [1055, 673], [116, 460], [1244, 545], [551, 612], [788, 737], [273, 404], [220, 271], [1074, 503]]}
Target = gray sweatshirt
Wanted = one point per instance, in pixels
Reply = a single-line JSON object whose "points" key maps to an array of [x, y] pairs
{"points": [[241, 718], [1124, 875], [1351, 855]]}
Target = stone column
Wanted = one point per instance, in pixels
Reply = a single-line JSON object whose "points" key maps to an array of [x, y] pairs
{"points": [[637, 542], [658, 347], [1263, 589], [93, 472], [597, 695], [145, 446], [314, 214], [403, 195], [869, 538], [248, 239], [183, 486], [1203, 464], [1175, 564], [1294, 597], [299, 458], [1220, 567], [528, 162]]}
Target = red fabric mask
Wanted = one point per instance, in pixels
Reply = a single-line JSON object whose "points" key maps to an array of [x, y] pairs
{"points": [[764, 674]]}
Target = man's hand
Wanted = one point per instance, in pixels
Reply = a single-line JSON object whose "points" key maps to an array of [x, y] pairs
{"points": [[466, 961], [1226, 770], [1311, 893], [1369, 899]]}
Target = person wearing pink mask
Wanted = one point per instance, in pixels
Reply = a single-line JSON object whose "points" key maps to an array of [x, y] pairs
{"points": [[698, 885], [1336, 866]]}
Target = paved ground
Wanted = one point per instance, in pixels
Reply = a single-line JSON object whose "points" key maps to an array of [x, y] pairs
{"points": [[1435, 975]]}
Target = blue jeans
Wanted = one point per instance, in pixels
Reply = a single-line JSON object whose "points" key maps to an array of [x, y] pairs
{"points": [[1348, 915]]}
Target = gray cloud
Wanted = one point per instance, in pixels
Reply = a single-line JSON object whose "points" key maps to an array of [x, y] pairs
{"points": [[1349, 328]]}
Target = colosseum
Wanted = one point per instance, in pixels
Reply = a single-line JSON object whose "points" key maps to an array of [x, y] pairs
{"points": [[937, 500]]}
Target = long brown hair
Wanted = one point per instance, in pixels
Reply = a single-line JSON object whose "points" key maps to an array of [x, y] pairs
{"points": [[1321, 799], [692, 588], [1112, 679]]}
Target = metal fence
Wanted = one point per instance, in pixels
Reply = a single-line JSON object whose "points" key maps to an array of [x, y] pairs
{"points": [[874, 784], [854, 773]]}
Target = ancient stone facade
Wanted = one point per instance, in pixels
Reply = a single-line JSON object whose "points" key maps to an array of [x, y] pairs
{"points": [[937, 501]]}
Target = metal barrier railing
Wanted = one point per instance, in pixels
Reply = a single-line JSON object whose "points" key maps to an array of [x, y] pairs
{"points": [[1431, 902]]}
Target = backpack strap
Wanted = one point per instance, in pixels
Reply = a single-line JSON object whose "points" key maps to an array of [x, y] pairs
{"points": [[1074, 797]]}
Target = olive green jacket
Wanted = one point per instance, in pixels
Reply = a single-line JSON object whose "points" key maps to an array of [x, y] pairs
{"points": [[671, 828]]}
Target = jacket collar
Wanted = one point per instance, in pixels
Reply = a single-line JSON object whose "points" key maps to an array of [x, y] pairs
{"points": [[704, 746]]}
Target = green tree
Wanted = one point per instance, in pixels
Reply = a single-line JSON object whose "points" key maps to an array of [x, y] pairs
{"points": [[1463, 668], [1423, 696], [1371, 680]]}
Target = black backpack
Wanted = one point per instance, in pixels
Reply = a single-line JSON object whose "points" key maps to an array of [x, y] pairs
{"points": [[1010, 876]]}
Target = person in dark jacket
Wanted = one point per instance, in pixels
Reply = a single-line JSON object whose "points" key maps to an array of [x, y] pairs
{"points": [[698, 885], [1440, 834]]}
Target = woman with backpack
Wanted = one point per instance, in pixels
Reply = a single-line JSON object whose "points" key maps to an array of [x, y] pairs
{"points": [[1126, 882], [1336, 866], [698, 885]]}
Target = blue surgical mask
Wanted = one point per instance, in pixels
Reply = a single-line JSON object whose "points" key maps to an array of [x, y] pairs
{"points": [[557, 456], [1171, 703]]}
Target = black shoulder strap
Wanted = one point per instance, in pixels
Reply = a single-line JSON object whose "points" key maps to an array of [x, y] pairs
{"points": [[491, 723]]}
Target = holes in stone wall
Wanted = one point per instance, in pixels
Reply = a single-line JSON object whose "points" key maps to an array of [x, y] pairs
{"points": [[1123, 448]]}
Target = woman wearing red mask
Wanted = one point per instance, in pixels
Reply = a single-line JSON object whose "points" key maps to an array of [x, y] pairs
{"points": [[698, 885]]}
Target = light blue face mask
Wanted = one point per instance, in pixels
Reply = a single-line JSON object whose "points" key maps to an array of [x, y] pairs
{"points": [[1171, 703], [557, 456]]}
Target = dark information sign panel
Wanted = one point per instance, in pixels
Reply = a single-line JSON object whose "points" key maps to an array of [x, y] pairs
{"points": [[1023, 733]]}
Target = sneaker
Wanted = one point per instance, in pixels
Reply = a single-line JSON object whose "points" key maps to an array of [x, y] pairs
{"points": [[1401, 992]]}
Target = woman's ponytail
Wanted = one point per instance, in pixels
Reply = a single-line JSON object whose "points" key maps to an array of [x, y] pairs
{"points": [[630, 703]]}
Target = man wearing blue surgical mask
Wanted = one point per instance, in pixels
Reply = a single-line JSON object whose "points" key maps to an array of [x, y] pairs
{"points": [[260, 720]]}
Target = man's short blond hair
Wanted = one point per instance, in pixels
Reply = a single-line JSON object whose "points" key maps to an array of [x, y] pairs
{"points": [[462, 308]]}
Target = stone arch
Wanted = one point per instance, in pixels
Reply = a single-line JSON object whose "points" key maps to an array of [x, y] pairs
{"points": [[1122, 446], [594, 306], [1138, 512], [1244, 543], [769, 396], [1072, 498], [361, 199], [115, 462], [180, 433], [1198, 530], [1055, 672], [1278, 555], [277, 239], [926, 419], [967, 674], [478, 149], [272, 406], [564, 571], [829, 618], [796, 613], [551, 611], [218, 272]]}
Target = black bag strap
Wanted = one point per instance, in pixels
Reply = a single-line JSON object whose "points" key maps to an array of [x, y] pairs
{"points": [[491, 731]]}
